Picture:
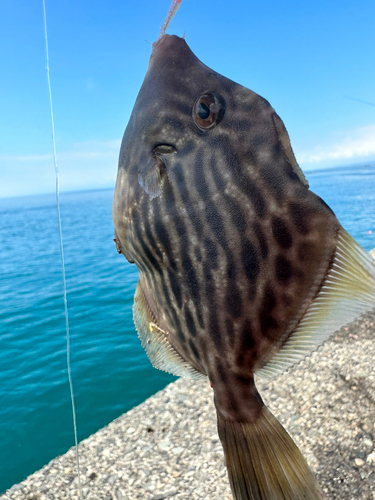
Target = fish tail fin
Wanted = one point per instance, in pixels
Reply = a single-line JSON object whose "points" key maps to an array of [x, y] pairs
{"points": [[263, 461]]}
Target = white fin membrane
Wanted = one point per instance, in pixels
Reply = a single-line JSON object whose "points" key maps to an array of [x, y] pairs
{"points": [[151, 181], [156, 344], [348, 291]]}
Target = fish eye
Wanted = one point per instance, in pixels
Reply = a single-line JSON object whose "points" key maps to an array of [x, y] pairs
{"points": [[203, 111], [208, 110]]}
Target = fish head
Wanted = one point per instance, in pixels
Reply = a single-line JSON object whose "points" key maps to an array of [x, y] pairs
{"points": [[186, 115], [203, 205]]}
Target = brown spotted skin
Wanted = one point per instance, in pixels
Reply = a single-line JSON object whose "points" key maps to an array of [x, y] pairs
{"points": [[235, 247]]}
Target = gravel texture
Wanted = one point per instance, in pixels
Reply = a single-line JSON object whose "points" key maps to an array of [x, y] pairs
{"points": [[168, 448]]}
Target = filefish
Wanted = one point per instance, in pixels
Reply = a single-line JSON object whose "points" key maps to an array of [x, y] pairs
{"points": [[242, 269]]}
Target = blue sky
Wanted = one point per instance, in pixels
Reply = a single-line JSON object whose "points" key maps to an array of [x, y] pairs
{"points": [[306, 58]]}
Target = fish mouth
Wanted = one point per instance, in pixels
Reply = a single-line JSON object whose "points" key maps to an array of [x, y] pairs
{"points": [[162, 40], [159, 42]]}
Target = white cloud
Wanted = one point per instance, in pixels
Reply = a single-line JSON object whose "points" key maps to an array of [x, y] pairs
{"points": [[9, 158], [88, 165], [93, 164], [89, 149], [353, 145]]}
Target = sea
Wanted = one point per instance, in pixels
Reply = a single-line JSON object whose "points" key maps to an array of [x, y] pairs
{"points": [[110, 371]]}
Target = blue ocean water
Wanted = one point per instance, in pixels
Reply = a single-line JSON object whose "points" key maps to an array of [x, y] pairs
{"points": [[111, 373]]}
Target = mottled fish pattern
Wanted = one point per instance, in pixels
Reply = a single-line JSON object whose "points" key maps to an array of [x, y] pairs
{"points": [[242, 269]]}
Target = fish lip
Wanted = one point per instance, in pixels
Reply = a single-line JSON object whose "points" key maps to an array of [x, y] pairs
{"points": [[159, 42], [173, 41]]}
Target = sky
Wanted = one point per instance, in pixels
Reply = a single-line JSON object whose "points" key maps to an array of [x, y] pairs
{"points": [[313, 61]]}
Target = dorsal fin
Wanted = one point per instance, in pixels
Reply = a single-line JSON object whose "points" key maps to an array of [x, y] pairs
{"points": [[287, 148]]}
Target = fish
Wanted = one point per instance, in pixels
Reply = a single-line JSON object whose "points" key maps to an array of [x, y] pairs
{"points": [[243, 270]]}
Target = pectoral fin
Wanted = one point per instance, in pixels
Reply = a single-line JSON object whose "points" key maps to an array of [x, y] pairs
{"points": [[152, 180]]}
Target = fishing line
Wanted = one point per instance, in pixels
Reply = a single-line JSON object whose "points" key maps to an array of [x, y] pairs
{"points": [[175, 5], [62, 254], [359, 100]]}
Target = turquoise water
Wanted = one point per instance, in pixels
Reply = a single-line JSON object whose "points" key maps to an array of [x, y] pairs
{"points": [[111, 373]]}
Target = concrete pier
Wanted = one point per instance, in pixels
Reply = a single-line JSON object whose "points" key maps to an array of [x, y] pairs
{"points": [[168, 447]]}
